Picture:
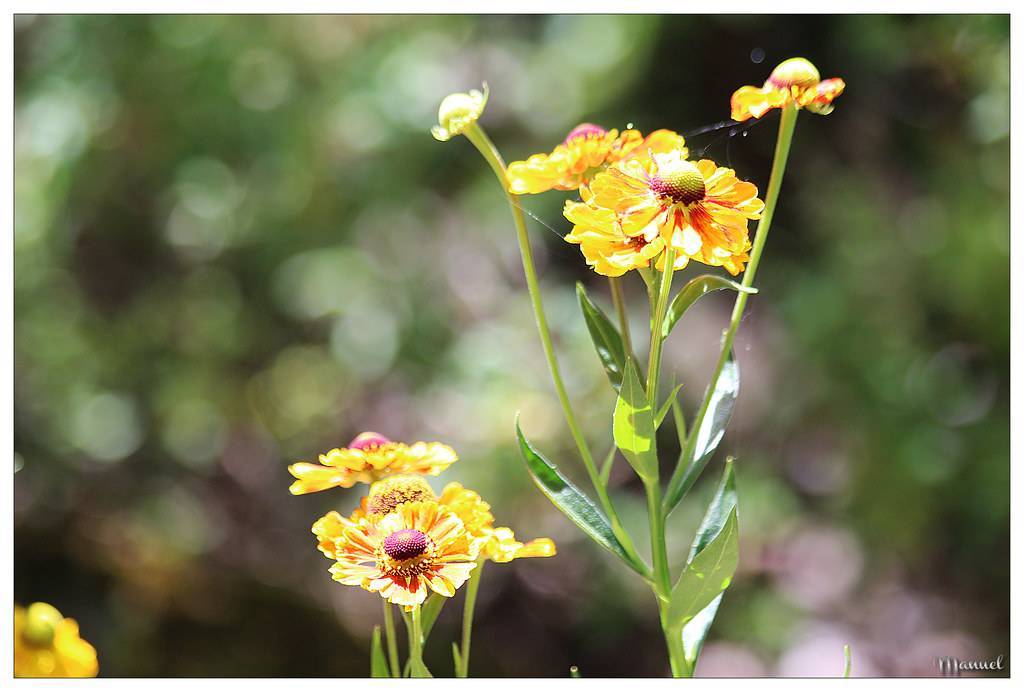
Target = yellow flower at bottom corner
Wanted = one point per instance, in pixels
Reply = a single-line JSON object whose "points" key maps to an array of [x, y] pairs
{"points": [[419, 548], [586, 150], [369, 458], [701, 209], [47, 645], [793, 81], [496, 544]]}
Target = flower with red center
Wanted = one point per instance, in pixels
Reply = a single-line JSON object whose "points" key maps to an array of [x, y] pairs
{"points": [[794, 81], [418, 548], [586, 151], [637, 208], [368, 458]]}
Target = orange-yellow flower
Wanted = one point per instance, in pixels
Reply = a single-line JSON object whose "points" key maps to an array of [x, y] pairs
{"points": [[498, 544], [368, 458], [586, 151], [794, 81], [47, 645], [700, 209], [418, 548], [608, 249]]}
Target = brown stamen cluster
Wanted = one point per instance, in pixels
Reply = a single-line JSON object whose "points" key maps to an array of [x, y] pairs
{"points": [[387, 494]]}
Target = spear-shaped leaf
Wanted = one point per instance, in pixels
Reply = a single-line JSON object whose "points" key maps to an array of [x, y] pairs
{"points": [[606, 338], [718, 512], [706, 576], [633, 426], [378, 664], [691, 292], [708, 432], [573, 503]]}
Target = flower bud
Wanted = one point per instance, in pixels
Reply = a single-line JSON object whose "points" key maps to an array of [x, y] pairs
{"points": [[41, 620], [457, 112], [795, 72]]}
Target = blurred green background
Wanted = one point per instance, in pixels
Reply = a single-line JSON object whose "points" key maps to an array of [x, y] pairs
{"points": [[237, 246]]}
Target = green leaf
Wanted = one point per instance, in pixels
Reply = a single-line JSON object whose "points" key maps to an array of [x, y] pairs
{"points": [[703, 440], [456, 658], [660, 418], [378, 664], [430, 610], [707, 575], [633, 426], [606, 338], [718, 512], [691, 292], [573, 503]]}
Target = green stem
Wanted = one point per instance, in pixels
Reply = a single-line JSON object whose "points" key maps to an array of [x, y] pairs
{"points": [[419, 669], [389, 630], [620, 308], [467, 620], [661, 307], [782, 144], [475, 134], [663, 581]]}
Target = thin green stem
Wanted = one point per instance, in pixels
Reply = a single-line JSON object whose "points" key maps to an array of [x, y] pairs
{"points": [[661, 307], [418, 668], [475, 134], [782, 144], [467, 620], [389, 631], [620, 308]]}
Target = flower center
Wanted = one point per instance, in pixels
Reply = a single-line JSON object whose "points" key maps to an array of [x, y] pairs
{"points": [[387, 494], [795, 72], [585, 130], [684, 185], [405, 544], [368, 440]]}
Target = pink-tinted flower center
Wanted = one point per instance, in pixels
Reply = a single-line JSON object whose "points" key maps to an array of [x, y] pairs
{"points": [[586, 130], [682, 186], [368, 440], [405, 544]]}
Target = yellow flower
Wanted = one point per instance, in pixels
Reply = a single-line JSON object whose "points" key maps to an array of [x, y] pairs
{"points": [[606, 247], [497, 544], [368, 458], [700, 209], [457, 112], [587, 150], [47, 645], [418, 548], [794, 81]]}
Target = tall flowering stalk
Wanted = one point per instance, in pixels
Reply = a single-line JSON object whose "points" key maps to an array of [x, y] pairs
{"points": [[646, 206]]}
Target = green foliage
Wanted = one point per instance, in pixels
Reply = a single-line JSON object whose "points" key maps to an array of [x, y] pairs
{"points": [[691, 292], [378, 663], [704, 438], [606, 338], [633, 427], [573, 503], [707, 575], [718, 512]]}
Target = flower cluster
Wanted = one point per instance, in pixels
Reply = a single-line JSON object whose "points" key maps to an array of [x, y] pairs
{"points": [[403, 541], [47, 645], [641, 196]]}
